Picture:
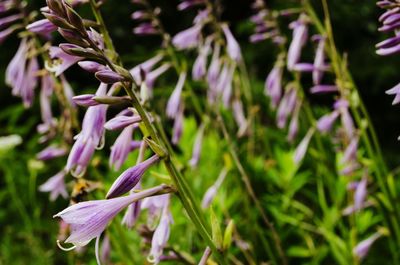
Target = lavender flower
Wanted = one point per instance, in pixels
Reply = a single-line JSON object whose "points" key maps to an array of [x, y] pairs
{"points": [[325, 123], [300, 34], [89, 138], [302, 147], [319, 60], [178, 126], [233, 47], [362, 248], [286, 106], [121, 148], [188, 38], [318, 89], [121, 121], [212, 191], [175, 99], [213, 73], [239, 117], [43, 27], [61, 60], [132, 213], [395, 91], [56, 186], [294, 123], [145, 67], [89, 219], [50, 152], [161, 235], [273, 85], [197, 146], [130, 177], [199, 66], [206, 255]]}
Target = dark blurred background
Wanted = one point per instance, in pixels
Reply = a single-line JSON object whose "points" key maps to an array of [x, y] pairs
{"points": [[355, 29]]}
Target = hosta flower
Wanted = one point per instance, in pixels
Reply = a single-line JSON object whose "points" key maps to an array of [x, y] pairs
{"points": [[300, 34], [43, 27], [199, 66], [46, 91], [61, 60], [189, 38], [133, 211], [213, 73], [161, 235], [130, 177], [286, 107], [178, 126], [294, 123], [89, 219], [238, 114], [50, 152], [396, 92], [145, 67], [89, 138], [212, 191], [319, 60], [301, 149], [122, 147], [186, 4], [175, 99], [318, 89], [233, 47], [325, 123], [273, 85], [362, 248], [342, 106], [56, 186], [198, 141]]}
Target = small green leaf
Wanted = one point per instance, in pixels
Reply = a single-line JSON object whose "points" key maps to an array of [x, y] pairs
{"points": [[216, 230], [228, 235]]}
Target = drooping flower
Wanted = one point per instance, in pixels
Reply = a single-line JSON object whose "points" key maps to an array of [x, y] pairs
{"points": [[212, 191], [89, 138], [161, 235], [213, 74], [233, 47], [362, 248], [178, 126], [273, 85], [319, 60], [50, 152], [300, 34], [325, 123], [89, 219], [188, 38], [132, 213], [198, 141], [199, 66], [302, 147], [130, 177], [56, 186], [238, 114], [61, 60], [121, 147], [175, 99], [43, 27], [145, 67], [286, 107], [122, 121]]}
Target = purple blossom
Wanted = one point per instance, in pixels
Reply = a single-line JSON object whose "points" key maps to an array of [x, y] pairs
{"points": [[238, 115], [121, 121], [43, 27], [91, 66], [121, 148], [178, 126], [46, 91], [186, 4], [61, 60], [89, 219], [146, 28], [351, 151], [187, 38], [213, 73], [319, 61], [362, 248], [50, 152], [294, 123], [130, 177], [302, 147], [206, 255], [89, 138], [153, 75], [197, 146], [212, 191], [273, 85], [325, 123], [161, 235], [300, 34], [145, 67], [233, 47], [199, 66], [318, 89], [175, 99], [85, 100], [286, 107], [56, 186], [133, 211], [395, 91], [5, 21]]}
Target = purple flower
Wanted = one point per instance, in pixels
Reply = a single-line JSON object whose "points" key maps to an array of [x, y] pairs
{"points": [[43, 27], [61, 60], [347, 121], [161, 235], [47, 87], [121, 121], [199, 66], [130, 177], [317, 89], [91, 66], [50, 152], [121, 148], [325, 123], [286, 107], [89, 138], [105, 251], [133, 211], [89, 219], [294, 123], [56, 186], [362, 248], [108, 76], [68, 91], [85, 100], [360, 193], [197, 146], [175, 99], [4, 34], [319, 61], [273, 85], [145, 67], [238, 115], [300, 34], [5, 21], [302, 147], [212, 191], [213, 73], [186, 4], [206, 255], [188, 38], [153, 75], [395, 91], [146, 28], [178, 126], [233, 47], [351, 151]]}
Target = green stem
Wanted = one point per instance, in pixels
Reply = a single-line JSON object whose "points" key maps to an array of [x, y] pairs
{"points": [[184, 192]]}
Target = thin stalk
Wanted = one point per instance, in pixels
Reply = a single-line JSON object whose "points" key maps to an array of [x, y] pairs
{"points": [[184, 192]]}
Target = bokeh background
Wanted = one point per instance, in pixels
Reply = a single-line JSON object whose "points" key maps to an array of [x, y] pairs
{"points": [[28, 232]]}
